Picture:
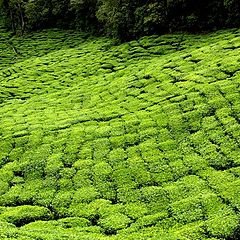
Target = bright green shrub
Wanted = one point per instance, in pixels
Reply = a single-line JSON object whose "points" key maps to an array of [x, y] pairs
{"points": [[177, 126], [54, 165], [83, 164], [16, 196], [85, 152], [114, 222], [231, 193], [209, 123], [199, 138], [122, 176], [161, 119], [148, 145], [67, 172], [187, 105], [61, 202], [150, 154], [44, 197], [193, 230], [160, 171], [204, 109], [6, 148], [149, 220], [164, 135], [187, 210], [117, 142], [24, 214], [101, 148], [6, 175], [135, 210], [133, 151], [103, 180], [139, 171], [4, 186], [185, 187], [117, 128], [41, 225], [7, 231], [82, 178], [148, 133], [85, 195], [74, 222], [106, 190], [194, 163], [102, 171], [193, 120], [65, 184], [128, 193], [16, 154], [168, 145], [131, 139], [81, 210], [103, 130], [116, 156], [21, 141], [155, 197], [222, 223], [232, 97], [131, 123], [178, 168], [35, 169], [147, 123]]}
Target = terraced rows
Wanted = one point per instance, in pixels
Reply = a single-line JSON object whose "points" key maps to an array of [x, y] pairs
{"points": [[136, 141]]}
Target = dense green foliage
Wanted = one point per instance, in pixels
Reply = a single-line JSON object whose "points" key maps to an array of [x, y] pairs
{"points": [[136, 141], [124, 19]]}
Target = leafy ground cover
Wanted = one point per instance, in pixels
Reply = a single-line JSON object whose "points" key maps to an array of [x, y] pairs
{"points": [[136, 141]]}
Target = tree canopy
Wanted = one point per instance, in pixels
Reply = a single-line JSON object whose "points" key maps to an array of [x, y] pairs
{"points": [[123, 19]]}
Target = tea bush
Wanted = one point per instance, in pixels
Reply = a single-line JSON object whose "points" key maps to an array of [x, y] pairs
{"points": [[133, 141]]}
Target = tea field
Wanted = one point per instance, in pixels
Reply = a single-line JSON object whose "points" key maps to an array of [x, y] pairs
{"points": [[100, 141]]}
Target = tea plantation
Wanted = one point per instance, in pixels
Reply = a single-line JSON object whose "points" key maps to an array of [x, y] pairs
{"points": [[136, 141]]}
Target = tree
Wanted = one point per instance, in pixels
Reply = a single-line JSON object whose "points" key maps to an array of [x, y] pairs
{"points": [[83, 14]]}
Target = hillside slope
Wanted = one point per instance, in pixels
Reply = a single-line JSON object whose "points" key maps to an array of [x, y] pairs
{"points": [[136, 141]]}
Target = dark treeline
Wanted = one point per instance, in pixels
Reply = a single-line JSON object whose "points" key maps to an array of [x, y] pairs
{"points": [[123, 19]]}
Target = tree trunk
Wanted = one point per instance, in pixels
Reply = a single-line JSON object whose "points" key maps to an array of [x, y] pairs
{"points": [[22, 19]]}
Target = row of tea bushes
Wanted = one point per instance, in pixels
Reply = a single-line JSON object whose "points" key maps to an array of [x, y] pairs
{"points": [[136, 141]]}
